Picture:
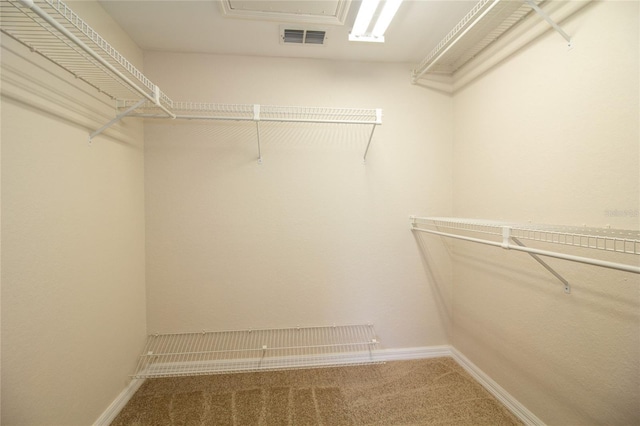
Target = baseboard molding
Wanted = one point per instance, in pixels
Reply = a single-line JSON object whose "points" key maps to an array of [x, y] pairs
{"points": [[519, 410], [118, 404], [412, 353]]}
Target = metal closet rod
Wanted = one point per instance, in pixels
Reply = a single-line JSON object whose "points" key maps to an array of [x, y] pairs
{"points": [[280, 120], [506, 245]]}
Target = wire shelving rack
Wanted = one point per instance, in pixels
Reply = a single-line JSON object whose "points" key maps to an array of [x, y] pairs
{"points": [[51, 29], [207, 352], [249, 112], [509, 235], [487, 21]]}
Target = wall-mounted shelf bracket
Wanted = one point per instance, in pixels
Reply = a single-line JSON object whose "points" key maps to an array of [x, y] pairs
{"points": [[550, 21], [377, 123], [116, 119], [545, 265], [506, 236], [256, 118]]}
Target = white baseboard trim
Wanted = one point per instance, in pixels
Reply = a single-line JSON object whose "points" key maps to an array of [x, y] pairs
{"points": [[118, 404], [412, 353], [519, 410]]}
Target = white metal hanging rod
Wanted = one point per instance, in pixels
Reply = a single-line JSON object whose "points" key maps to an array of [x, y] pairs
{"points": [[265, 119], [192, 117], [506, 245]]}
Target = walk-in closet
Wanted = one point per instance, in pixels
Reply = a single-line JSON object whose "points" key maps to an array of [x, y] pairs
{"points": [[331, 212]]}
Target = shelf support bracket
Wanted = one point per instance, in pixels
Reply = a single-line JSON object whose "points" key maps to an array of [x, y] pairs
{"points": [[545, 265], [550, 21], [116, 119], [377, 123], [256, 118]]}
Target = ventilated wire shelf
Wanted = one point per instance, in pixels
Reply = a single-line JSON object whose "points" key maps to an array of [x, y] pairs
{"points": [[51, 29], [186, 354], [192, 110], [615, 240], [250, 112], [484, 24], [510, 235], [319, 114]]}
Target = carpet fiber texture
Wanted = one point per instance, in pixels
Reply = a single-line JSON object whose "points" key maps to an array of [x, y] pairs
{"points": [[417, 392]]}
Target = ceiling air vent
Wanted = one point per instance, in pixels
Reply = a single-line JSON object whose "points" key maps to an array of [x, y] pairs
{"points": [[314, 37], [302, 36], [293, 36]]}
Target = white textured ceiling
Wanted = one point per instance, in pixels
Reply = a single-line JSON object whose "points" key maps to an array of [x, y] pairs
{"points": [[201, 27]]}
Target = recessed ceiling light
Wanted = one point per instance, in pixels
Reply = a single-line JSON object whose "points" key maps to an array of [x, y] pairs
{"points": [[364, 19]]}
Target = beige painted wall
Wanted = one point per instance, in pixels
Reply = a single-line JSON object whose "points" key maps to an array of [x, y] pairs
{"points": [[552, 136], [73, 280], [312, 236]]}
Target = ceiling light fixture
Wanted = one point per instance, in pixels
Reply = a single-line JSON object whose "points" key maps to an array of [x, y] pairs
{"points": [[365, 17]]}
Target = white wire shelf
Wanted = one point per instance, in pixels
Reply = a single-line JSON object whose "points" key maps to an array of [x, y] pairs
{"points": [[602, 239], [51, 29], [484, 23], [253, 112], [188, 354], [487, 21], [617, 240], [259, 113]]}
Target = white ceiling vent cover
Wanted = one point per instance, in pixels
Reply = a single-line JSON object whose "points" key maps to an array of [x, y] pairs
{"points": [[302, 12], [302, 36]]}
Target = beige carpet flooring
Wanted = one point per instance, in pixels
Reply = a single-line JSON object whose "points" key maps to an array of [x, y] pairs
{"points": [[417, 392]]}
